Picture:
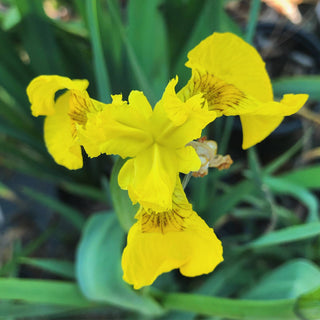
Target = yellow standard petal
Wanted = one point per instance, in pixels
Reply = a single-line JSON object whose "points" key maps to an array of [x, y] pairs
{"points": [[162, 241], [154, 140], [232, 78]]}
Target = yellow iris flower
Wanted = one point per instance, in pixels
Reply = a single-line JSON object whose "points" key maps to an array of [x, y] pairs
{"points": [[154, 140], [232, 78], [63, 115], [162, 241], [228, 78]]}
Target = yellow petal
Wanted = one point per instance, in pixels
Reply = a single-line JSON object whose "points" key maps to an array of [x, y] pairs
{"points": [[139, 102], [61, 144], [229, 58], [188, 160], [256, 128], [222, 97], [119, 128], [259, 124], [150, 177], [195, 251], [179, 111], [41, 92]]}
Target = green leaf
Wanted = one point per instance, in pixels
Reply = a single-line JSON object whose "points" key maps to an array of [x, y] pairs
{"points": [[148, 38], [229, 308], [58, 267], [252, 20], [70, 214], [226, 202], [288, 281], [211, 19], [84, 190], [298, 84], [308, 305], [305, 177], [121, 202], [284, 157], [137, 70], [43, 291], [26, 310], [290, 234], [100, 67], [98, 267], [284, 186], [38, 38]]}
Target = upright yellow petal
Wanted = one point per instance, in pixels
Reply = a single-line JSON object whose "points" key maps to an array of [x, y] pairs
{"points": [[41, 92], [162, 241], [113, 131], [59, 138], [150, 177]]}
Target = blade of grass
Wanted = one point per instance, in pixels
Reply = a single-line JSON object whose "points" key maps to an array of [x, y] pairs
{"points": [[148, 37], [29, 249], [298, 84], [229, 308], [43, 291], [212, 18], [282, 159], [286, 235], [39, 41], [253, 19], [136, 67], [85, 190], [58, 267], [18, 310], [71, 215], [283, 186], [100, 67]]}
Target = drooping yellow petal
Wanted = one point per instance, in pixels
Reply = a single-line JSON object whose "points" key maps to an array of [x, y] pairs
{"points": [[229, 58], [162, 241], [41, 92], [61, 143], [258, 125], [222, 97], [232, 78]]}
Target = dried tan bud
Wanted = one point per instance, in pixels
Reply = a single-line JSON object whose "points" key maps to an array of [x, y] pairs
{"points": [[207, 152]]}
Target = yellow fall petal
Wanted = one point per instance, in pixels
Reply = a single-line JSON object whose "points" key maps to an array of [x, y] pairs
{"points": [[229, 58], [232, 78], [162, 241], [258, 125], [41, 92], [61, 144]]}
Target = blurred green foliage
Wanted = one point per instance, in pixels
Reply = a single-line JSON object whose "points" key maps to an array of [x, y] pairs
{"points": [[272, 254]]}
